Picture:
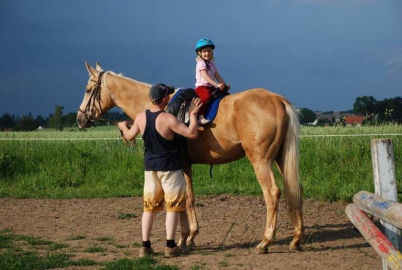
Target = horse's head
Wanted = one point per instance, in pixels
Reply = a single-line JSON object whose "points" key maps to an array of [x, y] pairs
{"points": [[97, 98]]}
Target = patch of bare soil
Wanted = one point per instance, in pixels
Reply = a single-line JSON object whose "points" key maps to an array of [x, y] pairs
{"points": [[230, 228]]}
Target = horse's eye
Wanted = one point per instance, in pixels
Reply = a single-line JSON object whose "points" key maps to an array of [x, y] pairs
{"points": [[88, 90]]}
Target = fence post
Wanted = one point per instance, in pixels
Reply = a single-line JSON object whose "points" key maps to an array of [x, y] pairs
{"points": [[382, 155]]}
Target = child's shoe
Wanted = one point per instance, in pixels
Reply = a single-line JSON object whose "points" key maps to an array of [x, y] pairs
{"points": [[203, 121]]}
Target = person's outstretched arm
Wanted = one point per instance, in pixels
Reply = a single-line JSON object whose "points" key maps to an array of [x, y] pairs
{"points": [[129, 133], [191, 131], [222, 81]]}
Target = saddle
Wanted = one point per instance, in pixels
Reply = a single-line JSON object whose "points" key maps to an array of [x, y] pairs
{"points": [[180, 103]]}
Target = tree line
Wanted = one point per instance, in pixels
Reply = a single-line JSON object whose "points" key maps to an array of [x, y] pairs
{"points": [[56, 120], [379, 111], [375, 112]]}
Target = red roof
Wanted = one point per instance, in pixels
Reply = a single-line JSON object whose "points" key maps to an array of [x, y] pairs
{"points": [[356, 119]]}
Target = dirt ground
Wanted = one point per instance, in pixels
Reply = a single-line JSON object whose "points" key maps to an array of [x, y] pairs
{"points": [[230, 228]]}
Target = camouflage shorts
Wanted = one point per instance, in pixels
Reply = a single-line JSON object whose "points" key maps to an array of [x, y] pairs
{"points": [[164, 187]]}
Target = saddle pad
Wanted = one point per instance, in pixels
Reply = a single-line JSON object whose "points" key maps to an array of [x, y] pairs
{"points": [[175, 96], [213, 108], [186, 94]]}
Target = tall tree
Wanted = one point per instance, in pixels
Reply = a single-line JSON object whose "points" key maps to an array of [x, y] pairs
{"points": [[55, 120], [397, 109], [7, 121], [40, 121], [390, 110], [307, 116], [26, 123], [365, 105], [70, 119]]}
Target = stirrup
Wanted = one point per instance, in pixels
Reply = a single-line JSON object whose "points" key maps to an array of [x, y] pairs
{"points": [[187, 118]]}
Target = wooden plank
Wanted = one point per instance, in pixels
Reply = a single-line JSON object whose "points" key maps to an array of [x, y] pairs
{"points": [[385, 182], [390, 255], [386, 210]]}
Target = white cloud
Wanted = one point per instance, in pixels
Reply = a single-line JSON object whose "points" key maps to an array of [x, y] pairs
{"points": [[394, 65], [334, 2]]}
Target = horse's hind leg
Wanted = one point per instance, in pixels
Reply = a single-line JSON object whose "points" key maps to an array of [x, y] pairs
{"points": [[188, 219], [265, 176], [294, 205]]}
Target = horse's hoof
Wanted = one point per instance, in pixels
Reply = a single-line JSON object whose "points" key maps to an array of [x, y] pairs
{"points": [[261, 250], [181, 242], [295, 246], [190, 243], [184, 249]]}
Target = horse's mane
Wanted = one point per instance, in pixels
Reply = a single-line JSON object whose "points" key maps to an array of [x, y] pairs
{"points": [[126, 78]]}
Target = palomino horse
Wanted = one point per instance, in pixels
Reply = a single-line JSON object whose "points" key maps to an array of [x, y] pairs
{"points": [[257, 123]]}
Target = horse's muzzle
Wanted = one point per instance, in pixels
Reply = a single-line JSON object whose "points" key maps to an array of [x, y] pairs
{"points": [[82, 120]]}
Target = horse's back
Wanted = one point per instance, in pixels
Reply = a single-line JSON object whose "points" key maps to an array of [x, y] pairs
{"points": [[245, 120], [252, 95], [253, 104]]}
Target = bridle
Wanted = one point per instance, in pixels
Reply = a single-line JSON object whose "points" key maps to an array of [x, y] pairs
{"points": [[93, 99]]}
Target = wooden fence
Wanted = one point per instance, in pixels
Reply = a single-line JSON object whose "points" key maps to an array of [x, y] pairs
{"points": [[384, 205]]}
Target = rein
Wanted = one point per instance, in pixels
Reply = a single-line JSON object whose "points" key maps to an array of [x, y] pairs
{"points": [[93, 99]]}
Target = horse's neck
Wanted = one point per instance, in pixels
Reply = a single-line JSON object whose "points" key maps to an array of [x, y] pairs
{"points": [[129, 95]]}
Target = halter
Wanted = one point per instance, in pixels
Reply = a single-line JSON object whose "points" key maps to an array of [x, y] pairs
{"points": [[95, 97]]}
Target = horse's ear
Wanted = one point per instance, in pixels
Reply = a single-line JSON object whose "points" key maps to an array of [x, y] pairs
{"points": [[98, 67], [91, 70]]}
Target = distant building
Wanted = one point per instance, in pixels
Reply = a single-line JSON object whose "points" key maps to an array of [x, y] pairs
{"points": [[353, 120], [339, 117], [329, 117]]}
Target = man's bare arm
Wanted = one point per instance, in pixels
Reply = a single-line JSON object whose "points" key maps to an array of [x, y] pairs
{"points": [[129, 133], [191, 131]]}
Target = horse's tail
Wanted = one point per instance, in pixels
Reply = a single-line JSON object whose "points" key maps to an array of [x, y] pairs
{"points": [[289, 164]]}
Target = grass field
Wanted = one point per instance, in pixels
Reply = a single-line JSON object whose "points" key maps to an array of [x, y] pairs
{"points": [[29, 252], [335, 163], [95, 163]]}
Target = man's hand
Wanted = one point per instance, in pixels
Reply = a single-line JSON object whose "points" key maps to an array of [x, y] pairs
{"points": [[123, 127], [195, 106]]}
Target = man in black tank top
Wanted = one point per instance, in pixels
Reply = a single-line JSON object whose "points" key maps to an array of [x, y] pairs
{"points": [[164, 180]]}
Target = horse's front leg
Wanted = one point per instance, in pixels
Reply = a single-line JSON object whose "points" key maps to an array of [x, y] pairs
{"points": [[189, 223], [184, 230]]}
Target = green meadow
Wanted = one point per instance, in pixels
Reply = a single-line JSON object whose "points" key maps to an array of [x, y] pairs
{"points": [[29, 252], [335, 163]]}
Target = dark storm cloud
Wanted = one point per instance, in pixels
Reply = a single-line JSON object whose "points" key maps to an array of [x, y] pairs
{"points": [[319, 54]]}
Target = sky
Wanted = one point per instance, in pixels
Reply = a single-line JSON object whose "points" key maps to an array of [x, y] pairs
{"points": [[319, 54]]}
